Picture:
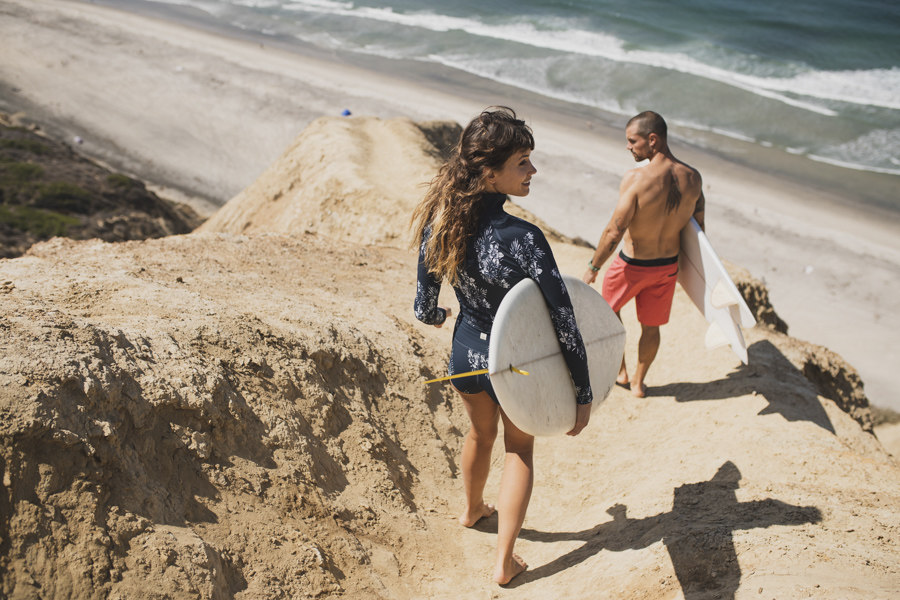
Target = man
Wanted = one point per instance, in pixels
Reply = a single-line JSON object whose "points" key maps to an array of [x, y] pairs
{"points": [[655, 202]]}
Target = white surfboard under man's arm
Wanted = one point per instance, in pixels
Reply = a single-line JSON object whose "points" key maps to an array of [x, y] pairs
{"points": [[708, 285]]}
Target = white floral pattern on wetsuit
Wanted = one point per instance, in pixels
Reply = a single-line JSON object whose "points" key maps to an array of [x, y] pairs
{"points": [[475, 296], [477, 360], [426, 302], [562, 284], [528, 255], [567, 330], [489, 259], [428, 289], [504, 251]]}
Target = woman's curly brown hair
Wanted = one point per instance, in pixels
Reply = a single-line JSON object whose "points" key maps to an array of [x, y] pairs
{"points": [[452, 204]]}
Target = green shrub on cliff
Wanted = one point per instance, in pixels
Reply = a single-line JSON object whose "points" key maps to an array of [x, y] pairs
{"points": [[20, 185], [27, 145], [17, 174], [43, 224], [118, 180], [62, 196]]}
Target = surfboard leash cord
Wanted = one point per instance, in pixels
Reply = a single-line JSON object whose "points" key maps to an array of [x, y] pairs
{"points": [[478, 372]]}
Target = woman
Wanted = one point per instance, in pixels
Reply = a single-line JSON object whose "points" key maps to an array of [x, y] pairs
{"points": [[469, 241]]}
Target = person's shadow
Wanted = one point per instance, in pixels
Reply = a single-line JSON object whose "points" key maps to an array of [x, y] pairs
{"points": [[770, 374], [697, 533]]}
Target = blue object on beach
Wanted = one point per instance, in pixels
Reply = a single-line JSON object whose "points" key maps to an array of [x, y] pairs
{"points": [[345, 112]]}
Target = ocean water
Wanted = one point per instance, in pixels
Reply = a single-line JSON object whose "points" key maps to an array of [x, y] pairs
{"points": [[818, 79]]}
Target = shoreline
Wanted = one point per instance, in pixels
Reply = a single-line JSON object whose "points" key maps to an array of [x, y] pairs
{"points": [[842, 188], [812, 185], [233, 101]]}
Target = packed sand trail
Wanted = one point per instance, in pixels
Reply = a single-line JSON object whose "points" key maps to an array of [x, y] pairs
{"points": [[204, 111], [242, 415]]}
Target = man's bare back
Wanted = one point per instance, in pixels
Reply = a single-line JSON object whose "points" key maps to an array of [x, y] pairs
{"points": [[665, 195]]}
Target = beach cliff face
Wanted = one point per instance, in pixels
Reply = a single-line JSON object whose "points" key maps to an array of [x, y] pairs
{"points": [[239, 413], [48, 190]]}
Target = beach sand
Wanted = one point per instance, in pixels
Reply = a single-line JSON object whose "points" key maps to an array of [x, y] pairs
{"points": [[201, 114]]}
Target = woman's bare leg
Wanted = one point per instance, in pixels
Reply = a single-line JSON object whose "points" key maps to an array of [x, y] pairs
{"points": [[515, 493], [476, 455]]}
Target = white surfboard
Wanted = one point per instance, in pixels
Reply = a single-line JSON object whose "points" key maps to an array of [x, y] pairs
{"points": [[708, 285], [543, 402]]}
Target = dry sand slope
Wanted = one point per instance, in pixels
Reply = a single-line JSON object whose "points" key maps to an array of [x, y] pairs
{"points": [[227, 415]]}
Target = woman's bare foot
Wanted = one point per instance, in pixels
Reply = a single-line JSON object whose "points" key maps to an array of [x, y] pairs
{"points": [[638, 390], [470, 517], [503, 574]]}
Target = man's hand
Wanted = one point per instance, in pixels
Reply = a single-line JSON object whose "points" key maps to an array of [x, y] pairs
{"points": [[582, 416], [589, 277], [449, 312]]}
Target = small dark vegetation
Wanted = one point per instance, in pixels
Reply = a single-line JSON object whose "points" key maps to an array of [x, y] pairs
{"points": [[47, 190], [44, 224]]}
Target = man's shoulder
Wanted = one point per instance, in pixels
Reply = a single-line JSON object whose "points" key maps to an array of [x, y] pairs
{"points": [[682, 168], [638, 176]]}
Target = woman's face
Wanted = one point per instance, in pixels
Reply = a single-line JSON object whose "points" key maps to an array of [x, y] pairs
{"points": [[514, 176]]}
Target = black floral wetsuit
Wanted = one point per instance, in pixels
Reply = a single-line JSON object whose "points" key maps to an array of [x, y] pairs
{"points": [[504, 251]]}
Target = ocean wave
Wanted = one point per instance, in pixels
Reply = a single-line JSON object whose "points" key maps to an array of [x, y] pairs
{"points": [[530, 78], [210, 7], [801, 86], [873, 151], [257, 3], [852, 165]]}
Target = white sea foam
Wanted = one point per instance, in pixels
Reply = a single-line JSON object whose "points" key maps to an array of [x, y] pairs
{"points": [[877, 87], [873, 151], [319, 4], [257, 3], [852, 165], [560, 58], [211, 7], [534, 81]]}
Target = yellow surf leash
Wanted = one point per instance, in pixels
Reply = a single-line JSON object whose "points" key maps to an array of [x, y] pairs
{"points": [[479, 372]]}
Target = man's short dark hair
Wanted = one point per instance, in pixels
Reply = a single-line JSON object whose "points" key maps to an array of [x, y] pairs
{"points": [[649, 122]]}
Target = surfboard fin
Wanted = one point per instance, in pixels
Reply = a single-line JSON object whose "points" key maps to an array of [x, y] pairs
{"points": [[723, 296], [715, 337]]}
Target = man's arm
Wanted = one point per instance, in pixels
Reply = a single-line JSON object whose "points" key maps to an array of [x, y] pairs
{"points": [[699, 211], [618, 225]]}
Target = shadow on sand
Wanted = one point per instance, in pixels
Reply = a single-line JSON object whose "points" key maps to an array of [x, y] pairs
{"points": [[770, 375], [697, 533]]}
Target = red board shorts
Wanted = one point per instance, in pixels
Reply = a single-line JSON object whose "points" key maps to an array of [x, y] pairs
{"points": [[650, 282]]}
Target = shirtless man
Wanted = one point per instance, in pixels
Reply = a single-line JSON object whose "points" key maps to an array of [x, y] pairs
{"points": [[655, 202]]}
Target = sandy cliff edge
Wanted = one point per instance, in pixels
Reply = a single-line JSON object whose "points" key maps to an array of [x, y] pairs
{"points": [[230, 414]]}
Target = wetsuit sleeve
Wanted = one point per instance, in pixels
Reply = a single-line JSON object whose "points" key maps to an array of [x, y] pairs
{"points": [[428, 288], [534, 255]]}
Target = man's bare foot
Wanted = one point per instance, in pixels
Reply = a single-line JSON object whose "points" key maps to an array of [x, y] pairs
{"points": [[503, 574], [470, 517], [638, 390]]}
